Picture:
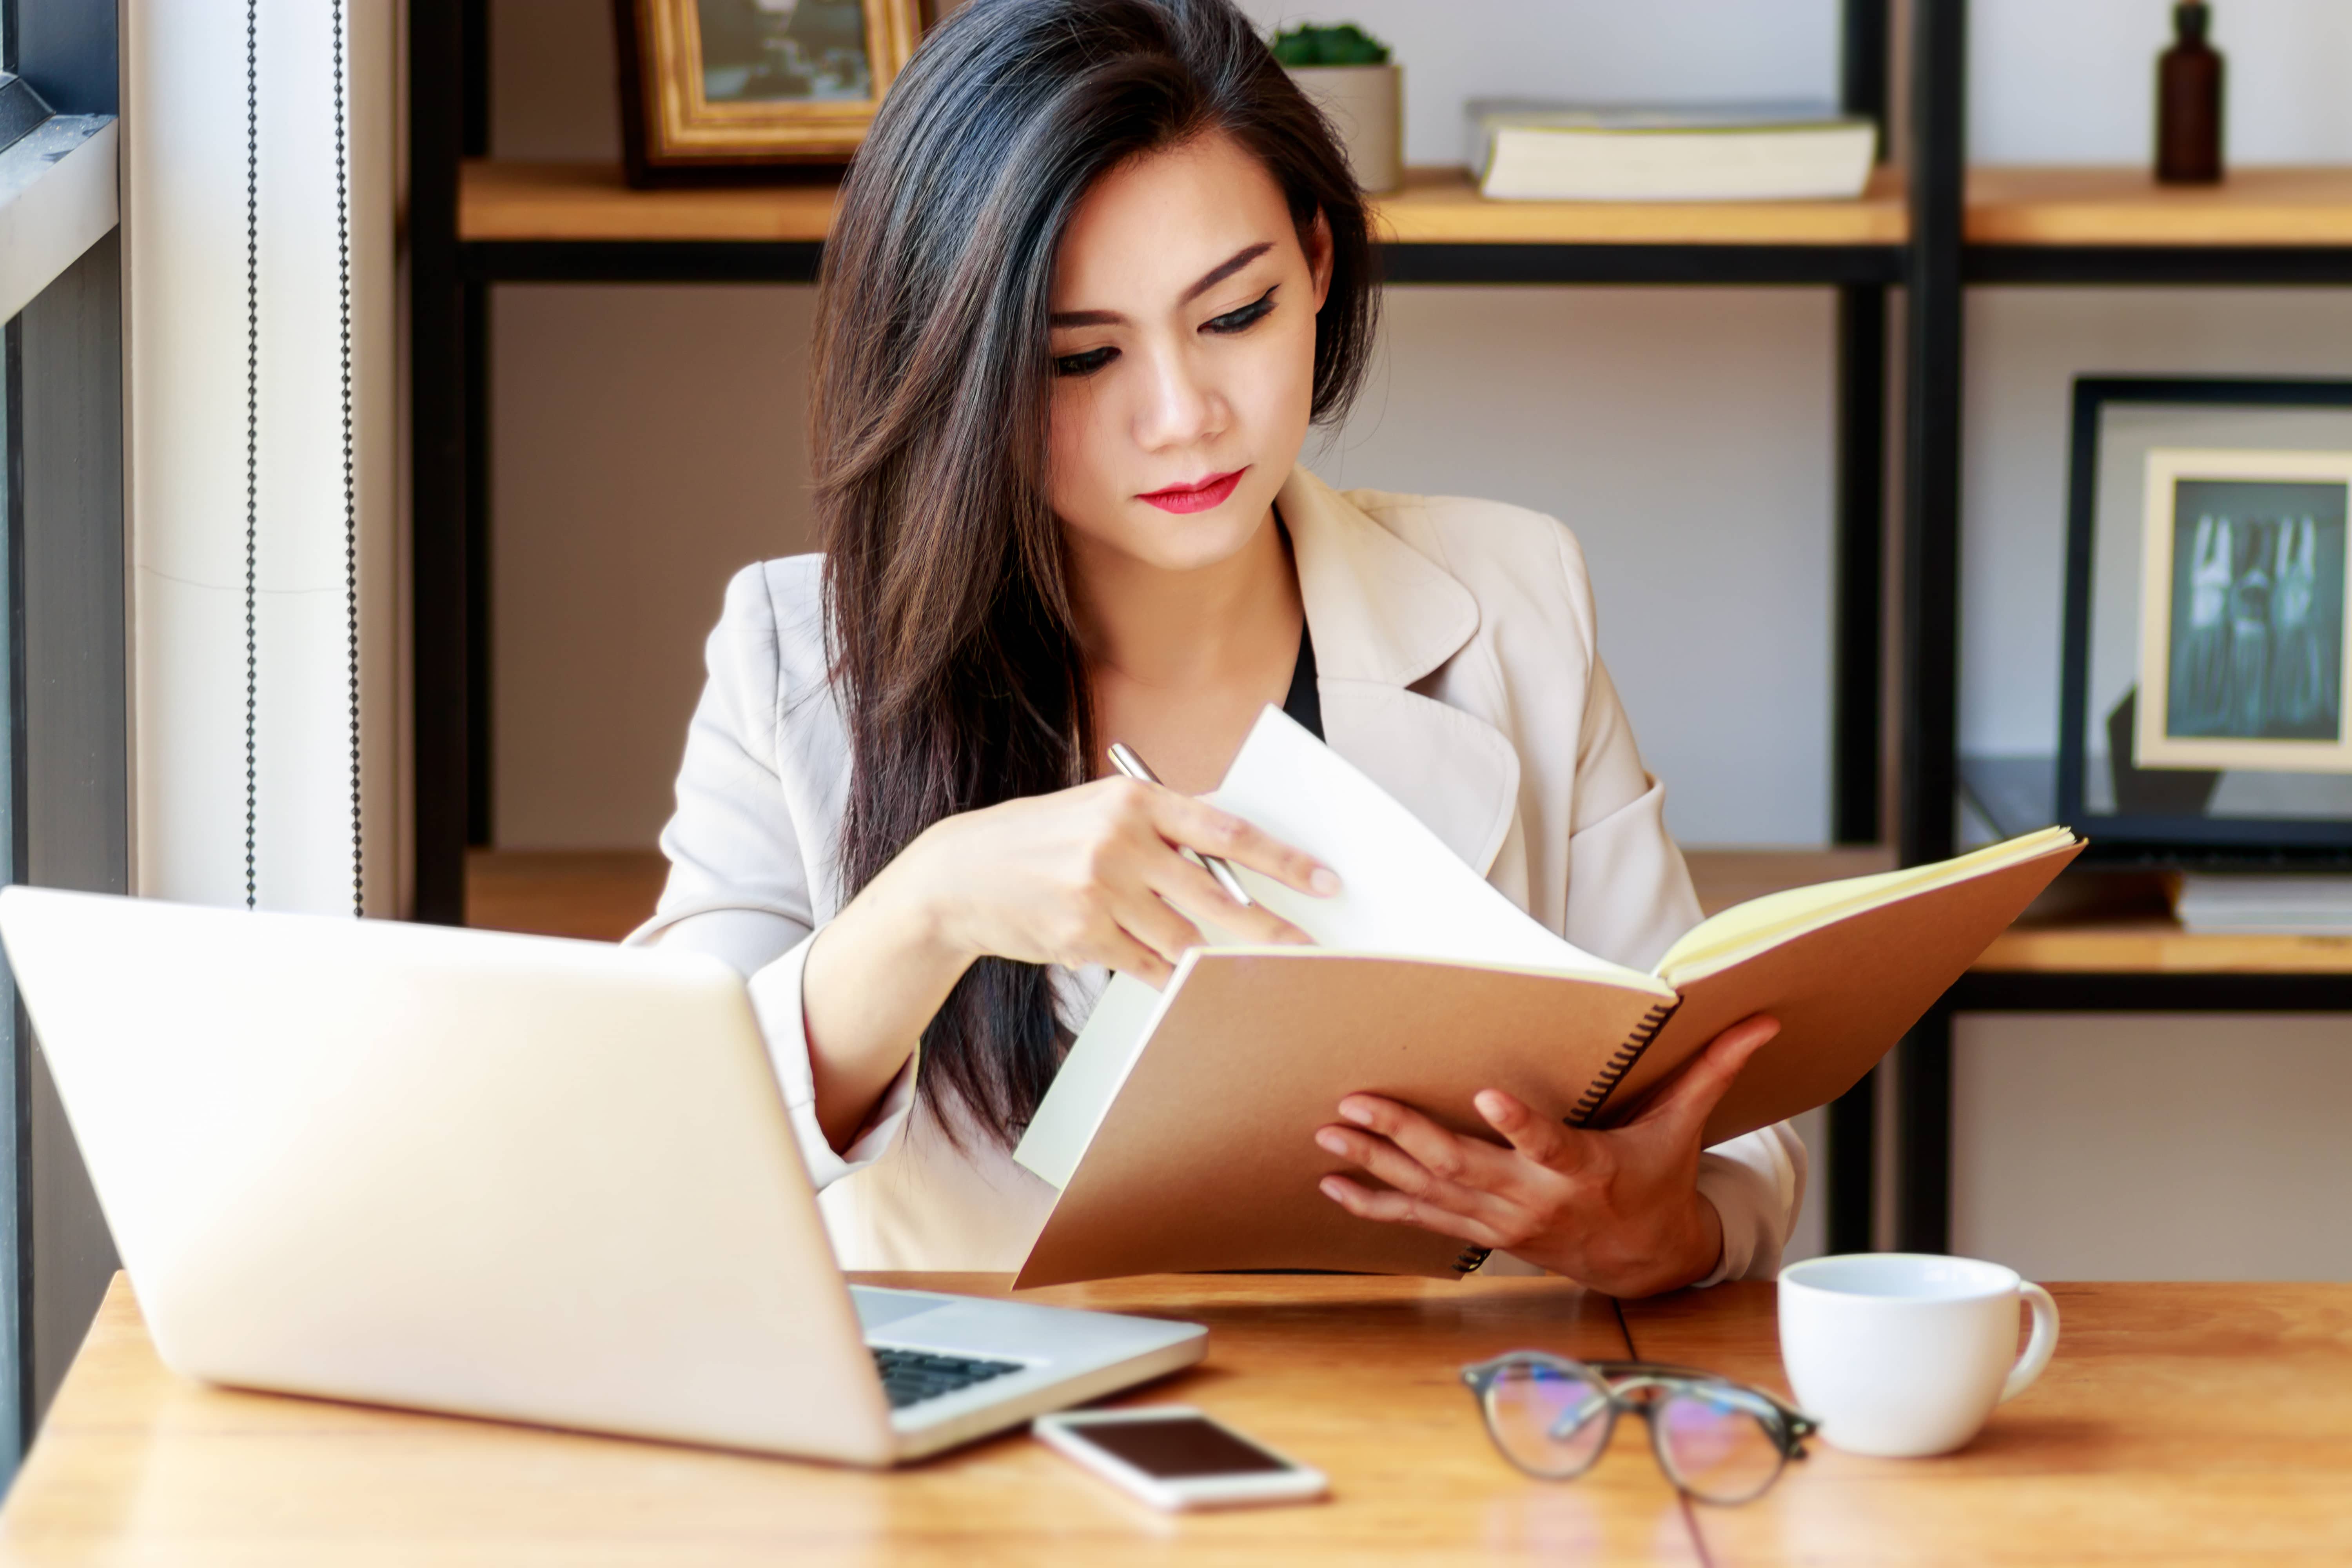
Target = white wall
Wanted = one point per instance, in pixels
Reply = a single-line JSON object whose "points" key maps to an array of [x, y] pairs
{"points": [[2075, 83], [649, 443], [645, 443]]}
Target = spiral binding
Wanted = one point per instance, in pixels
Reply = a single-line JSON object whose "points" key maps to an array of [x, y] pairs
{"points": [[1605, 1082]]}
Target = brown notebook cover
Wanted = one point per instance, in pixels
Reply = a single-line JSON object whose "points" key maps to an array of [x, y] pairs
{"points": [[1206, 1158], [1844, 994]]}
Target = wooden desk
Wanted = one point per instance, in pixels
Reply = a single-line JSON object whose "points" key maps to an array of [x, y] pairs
{"points": [[1357, 1376], [2179, 1423]]}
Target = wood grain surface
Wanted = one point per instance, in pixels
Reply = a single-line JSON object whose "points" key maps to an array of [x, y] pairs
{"points": [[2254, 206], [499, 200], [515, 200], [600, 895], [2178, 1424], [1356, 1376], [1443, 206]]}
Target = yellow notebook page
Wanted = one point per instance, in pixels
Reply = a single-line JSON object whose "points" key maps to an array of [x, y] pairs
{"points": [[1776, 915]]}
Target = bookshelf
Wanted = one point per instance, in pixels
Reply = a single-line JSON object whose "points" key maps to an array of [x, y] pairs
{"points": [[476, 224]]}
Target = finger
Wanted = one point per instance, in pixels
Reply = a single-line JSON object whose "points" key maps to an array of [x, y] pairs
{"points": [[1204, 829], [1709, 1076], [1388, 1164], [1471, 1160], [1148, 918], [1397, 1208], [1122, 953], [1550, 1144], [1193, 891]]}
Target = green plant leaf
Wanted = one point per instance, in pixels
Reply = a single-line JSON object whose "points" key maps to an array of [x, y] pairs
{"points": [[1343, 45]]}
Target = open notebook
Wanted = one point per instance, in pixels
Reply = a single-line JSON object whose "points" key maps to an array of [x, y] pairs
{"points": [[1180, 1129]]}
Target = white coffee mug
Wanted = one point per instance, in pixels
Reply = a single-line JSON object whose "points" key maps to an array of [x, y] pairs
{"points": [[1905, 1353]]}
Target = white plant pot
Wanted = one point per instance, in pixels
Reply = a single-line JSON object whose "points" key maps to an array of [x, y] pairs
{"points": [[1366, 105]]}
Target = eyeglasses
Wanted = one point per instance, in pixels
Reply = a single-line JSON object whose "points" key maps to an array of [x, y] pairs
{"points": [[1718, 1441]]}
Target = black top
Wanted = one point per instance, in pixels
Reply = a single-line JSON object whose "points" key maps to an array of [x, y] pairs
{"points": [[1305, 704]]}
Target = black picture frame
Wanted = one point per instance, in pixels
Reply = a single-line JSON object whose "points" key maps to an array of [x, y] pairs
{"points": [[2153, 836]]}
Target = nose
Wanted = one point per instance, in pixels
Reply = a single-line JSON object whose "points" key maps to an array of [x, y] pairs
{"points": [[1179, 407]]}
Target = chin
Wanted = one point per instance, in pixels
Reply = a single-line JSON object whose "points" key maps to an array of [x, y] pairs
{"points": [[1175, 543]]}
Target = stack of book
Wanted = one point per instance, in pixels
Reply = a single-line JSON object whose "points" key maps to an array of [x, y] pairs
{"points": [[2258, 905], [1727, 152]]}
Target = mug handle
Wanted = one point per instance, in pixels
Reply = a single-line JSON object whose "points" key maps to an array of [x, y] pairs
{"points": [[2039, 1347]]}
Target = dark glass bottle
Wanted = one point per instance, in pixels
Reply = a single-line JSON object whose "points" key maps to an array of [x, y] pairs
{"points": [[2188, 101]]}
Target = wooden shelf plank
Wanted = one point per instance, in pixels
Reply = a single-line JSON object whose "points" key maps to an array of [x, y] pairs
{"points": [[2126, 207], [1441, 207], [598, 895], [543, 202], [590, 202]]}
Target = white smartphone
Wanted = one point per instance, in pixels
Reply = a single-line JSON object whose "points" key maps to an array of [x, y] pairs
{"points": [[1172, 1457]]}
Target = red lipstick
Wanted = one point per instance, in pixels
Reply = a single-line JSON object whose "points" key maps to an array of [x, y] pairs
{"points": [[1202, 495]]}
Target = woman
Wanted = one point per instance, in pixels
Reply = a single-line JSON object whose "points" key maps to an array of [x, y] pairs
{"points": [[1096, 270]]}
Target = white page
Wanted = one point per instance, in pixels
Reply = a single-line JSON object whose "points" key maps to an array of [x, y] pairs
{"points": [[1402, 891], [1089, 1080]]}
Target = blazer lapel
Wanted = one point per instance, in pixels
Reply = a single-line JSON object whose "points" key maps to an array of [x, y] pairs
{"points": [[1383, 616]]}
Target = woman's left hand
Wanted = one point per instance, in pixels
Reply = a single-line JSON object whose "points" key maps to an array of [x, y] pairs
{"points": [[1617, 1210]]}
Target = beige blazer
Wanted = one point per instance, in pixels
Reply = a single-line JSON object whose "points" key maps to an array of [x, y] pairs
{"points": [[1457, 666]]}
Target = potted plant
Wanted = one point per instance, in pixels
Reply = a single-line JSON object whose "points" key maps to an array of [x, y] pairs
{"points": [[1346, 72]]}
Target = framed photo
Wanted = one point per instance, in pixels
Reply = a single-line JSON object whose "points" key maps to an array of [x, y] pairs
{"points": [[2203, 709], [736, 89]]}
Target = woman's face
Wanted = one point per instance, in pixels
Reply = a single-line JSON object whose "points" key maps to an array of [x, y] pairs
{"points": [[1183, 355]]}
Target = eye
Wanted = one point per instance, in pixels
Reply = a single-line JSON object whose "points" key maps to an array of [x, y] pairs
{"points": [[1248, 316], [1086, 363]]}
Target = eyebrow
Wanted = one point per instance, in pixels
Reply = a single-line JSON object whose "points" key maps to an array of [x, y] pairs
{"points": [[1209, 280]]}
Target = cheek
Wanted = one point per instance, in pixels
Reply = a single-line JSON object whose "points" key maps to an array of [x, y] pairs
{"points": [[1073, 450], [1279, 388]]}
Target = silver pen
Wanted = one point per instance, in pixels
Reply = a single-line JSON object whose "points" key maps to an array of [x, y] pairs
{"points": [[1123, 758]]}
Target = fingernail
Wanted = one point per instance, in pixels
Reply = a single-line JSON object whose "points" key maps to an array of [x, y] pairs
{"points": [[1330, 1187], [1331, 1141], [1359, 1114], [1324, 882]]}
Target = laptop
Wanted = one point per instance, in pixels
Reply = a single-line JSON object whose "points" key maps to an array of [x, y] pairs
{"points": [[503, 1176]]}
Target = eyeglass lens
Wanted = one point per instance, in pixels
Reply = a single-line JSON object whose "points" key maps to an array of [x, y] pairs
{"points": [[1548, 1420], [1716, 1451]]}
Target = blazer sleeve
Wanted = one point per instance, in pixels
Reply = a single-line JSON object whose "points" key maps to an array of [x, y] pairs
{"points": [[740, 873], [1629, 897]]}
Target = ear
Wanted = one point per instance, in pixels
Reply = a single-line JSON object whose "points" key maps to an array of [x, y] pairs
{"points": [[1316, 240]]}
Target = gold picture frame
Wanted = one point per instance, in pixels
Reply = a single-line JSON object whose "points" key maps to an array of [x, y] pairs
{"points": [[733, 89], [2244, 661]]}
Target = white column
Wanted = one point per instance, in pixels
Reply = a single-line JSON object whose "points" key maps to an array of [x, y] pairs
{"points": [[185, 176]]}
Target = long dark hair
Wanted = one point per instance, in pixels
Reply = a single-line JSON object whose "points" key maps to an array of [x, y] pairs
{"points": [[955, 651]]}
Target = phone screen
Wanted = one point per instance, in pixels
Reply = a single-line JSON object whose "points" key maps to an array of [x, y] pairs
{"points": [[1178, 1449]]}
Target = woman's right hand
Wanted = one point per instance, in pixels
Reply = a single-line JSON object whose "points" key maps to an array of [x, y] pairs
{"points": [[1092, 875]]}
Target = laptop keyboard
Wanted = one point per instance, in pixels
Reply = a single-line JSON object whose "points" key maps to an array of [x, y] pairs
{"points": [[910, 1377]]}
